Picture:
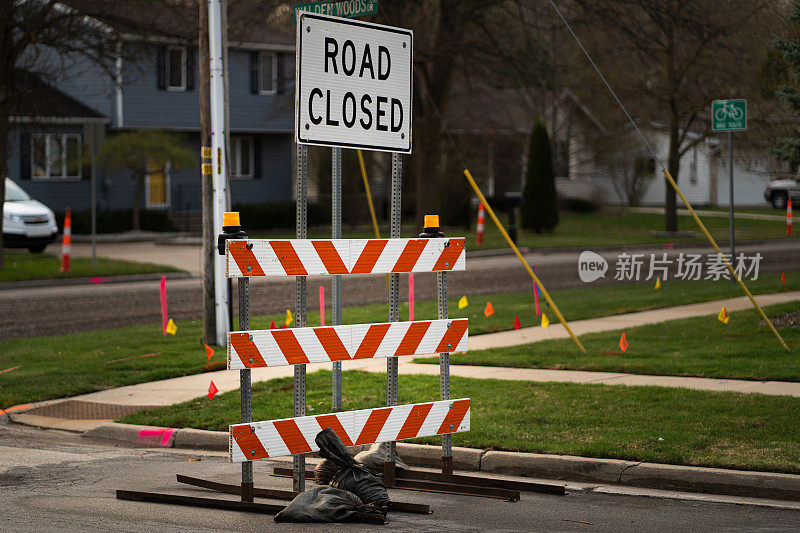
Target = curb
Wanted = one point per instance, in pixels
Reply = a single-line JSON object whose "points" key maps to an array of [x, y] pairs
{"points": [[59, 282], [558, 467]]}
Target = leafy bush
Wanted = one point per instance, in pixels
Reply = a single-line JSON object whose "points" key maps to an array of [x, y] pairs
{"points": [[116, 221]]}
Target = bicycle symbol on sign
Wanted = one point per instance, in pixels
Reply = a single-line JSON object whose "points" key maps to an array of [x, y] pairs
{"points": [[728, 110]]}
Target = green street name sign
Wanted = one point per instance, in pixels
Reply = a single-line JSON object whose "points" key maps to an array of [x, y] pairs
{"points": [[729, 115], [345, 8]]}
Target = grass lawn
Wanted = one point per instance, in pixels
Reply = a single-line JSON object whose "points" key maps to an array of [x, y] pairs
{"points": [[70, 364], [611, 227], [701, 346], [575, 304], [716, 429], [23, 266], [78, 363]]}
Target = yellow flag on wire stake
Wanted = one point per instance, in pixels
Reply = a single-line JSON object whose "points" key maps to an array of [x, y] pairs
{"points": [[723, 316], [462, 303], [545, 322], [658, 283], [172, 329], [289, 318]]}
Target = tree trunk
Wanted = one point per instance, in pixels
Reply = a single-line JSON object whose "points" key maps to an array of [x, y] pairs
{"points": [[673, 165], [209, 316], [137, 201]]}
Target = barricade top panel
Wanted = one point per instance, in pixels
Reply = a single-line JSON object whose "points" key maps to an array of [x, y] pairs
{"points": [[300, 257], [261, 440], [280, 347]]}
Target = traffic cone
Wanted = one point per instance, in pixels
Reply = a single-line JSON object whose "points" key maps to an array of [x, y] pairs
{"points": [[789, 217], [67, 241], [481, 221]]}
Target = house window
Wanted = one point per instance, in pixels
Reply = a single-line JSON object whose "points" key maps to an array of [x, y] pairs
{"points": [[644, 167], [242, 157], [267, 73], [55, 156], [176, 68]]}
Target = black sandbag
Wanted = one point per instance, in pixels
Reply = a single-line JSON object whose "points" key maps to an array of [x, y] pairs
{"points": [[325, 470], [374, 458], [332, 448], [322, 504], [352, 477]]}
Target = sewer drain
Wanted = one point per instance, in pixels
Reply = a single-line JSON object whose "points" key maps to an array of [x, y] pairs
{"points": [[78, 410]]}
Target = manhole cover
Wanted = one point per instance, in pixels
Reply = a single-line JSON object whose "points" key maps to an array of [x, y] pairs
{"points": [[77, 410]]}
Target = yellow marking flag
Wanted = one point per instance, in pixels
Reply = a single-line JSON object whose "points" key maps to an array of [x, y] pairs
{"points": [[545, 322], [723, 316], [172, 329], [658, 283], [462, 303], [289, 318]]}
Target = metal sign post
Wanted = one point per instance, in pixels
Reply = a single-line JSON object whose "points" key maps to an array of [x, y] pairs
{"points": [[730, 116], [394, 309], [336, 281], [244, 387], [299, 461], [219, 171]]}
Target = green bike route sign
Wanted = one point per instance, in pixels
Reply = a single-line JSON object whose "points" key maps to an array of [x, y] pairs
{"points": [[729, 115], [344, 8]]}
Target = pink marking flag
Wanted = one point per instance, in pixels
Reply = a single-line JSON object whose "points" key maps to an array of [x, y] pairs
{"points": [[212, 390], [411, 296], [517, 323], [164, 304], [536, 295], [321, 305]]}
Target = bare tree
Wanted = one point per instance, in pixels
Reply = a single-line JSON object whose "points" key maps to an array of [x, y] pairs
{"points": [[671, 58]]}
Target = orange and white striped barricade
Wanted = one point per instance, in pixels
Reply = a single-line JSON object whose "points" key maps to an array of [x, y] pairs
{"points": [[300, 257], [289, 436], [323, 344]]}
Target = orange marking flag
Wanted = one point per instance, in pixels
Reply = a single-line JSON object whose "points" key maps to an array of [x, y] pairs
{"points": [[783, 278], [623, 342], [212, 390], [517, 324], [489, 311], [209, 351]]}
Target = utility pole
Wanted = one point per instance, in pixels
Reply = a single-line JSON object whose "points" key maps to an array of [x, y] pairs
{"points": [[219, 159], [209, 233]]}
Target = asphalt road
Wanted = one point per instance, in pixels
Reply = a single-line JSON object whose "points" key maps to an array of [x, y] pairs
{"points": [[54, 482], [52, 310]]}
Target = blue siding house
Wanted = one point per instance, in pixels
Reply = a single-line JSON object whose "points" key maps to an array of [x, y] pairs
{"points": [[153, 85]]}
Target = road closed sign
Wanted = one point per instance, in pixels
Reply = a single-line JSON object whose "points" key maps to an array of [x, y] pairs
{"points": [[354, 84]]}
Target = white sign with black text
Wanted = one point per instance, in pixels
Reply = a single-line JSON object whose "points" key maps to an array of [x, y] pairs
{"points": [[354, 84]]}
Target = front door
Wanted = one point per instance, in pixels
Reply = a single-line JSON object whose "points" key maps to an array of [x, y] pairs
{"points": [[158, 187]]}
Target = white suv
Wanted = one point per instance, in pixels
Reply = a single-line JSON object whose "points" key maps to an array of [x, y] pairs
{"points": [[26, 222]]}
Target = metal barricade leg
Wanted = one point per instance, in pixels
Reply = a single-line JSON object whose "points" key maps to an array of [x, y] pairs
{"points": [[244, 386], [444, 374]]}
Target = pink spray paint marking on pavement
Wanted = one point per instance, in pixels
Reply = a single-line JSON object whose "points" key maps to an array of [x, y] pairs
{"points": [[411, 296], [321, 306], [98, 280], [162, 437], [164, 304]]}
